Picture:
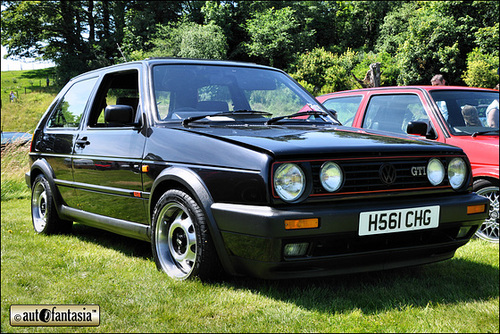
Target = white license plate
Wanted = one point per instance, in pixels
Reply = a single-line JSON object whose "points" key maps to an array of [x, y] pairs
{"points": [[402, 220]]}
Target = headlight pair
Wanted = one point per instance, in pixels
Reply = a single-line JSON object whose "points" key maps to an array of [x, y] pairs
{"points": [[457, 172], [290, 180]]}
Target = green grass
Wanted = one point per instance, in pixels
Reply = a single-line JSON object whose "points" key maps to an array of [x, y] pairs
{"points": [[33, 98], [95, 267]]}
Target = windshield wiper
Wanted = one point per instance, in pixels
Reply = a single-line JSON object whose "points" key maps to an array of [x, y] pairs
{"points": [[302, 113], [479, 133], [240, 112]]}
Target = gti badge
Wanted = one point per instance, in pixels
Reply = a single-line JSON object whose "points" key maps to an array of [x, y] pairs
{"points": [[418, 171]]}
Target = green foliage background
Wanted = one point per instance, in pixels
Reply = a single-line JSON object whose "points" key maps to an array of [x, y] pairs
{"points": [[325, 45]]}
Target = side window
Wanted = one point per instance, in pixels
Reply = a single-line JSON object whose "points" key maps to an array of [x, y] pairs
{"points": [[120, 88], [393, 112], [69, 111], [346, 108]]}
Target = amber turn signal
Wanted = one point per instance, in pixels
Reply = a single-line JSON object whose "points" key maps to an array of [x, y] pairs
{"points": [[295, 224], [476, 209]]}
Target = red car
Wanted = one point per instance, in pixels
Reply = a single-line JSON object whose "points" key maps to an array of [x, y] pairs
{"points": [[459, 116]]}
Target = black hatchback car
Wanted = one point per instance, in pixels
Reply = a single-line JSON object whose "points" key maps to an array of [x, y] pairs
{"points": [[234, 166]]}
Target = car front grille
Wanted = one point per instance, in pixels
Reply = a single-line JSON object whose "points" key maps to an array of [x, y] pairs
{"points": [[364, 175]]}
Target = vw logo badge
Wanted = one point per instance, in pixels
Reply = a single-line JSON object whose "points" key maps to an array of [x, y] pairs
{"points": [[387, 173]]}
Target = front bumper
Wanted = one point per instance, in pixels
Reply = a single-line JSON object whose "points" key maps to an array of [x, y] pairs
{"points": [[254, 237]]}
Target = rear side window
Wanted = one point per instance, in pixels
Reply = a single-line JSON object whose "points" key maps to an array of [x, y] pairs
{"points": [[346, 108], [69, 111], [393, 112]]}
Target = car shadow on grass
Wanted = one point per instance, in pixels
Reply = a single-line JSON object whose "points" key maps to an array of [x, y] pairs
{"points": [[449, 282], [125, 245]]}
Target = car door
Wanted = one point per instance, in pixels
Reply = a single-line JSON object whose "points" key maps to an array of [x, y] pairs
{"points": [[107, 157], [61, 129]]}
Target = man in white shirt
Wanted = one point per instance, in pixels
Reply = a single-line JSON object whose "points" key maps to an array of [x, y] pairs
{"points": [[438, 80]]}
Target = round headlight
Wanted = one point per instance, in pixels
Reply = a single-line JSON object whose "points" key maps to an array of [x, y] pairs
{"points": [[331, 176], [289, 182], [435, 171], [457, 171]]}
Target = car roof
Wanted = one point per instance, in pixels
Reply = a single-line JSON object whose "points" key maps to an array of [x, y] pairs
{"points": [[402, 88], [171, 60]]}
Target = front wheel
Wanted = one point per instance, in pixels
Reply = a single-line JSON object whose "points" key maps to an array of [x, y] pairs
{"points": [[180, 239], [489, 229]]}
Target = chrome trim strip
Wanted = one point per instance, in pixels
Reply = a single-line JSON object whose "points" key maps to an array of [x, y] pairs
{"points": [[101, 189]]}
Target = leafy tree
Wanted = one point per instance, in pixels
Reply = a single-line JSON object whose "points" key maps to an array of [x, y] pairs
{"points": [[430, 37], [275, 36], [189, 40], [141, 19], [321, 71], [482, 69]]}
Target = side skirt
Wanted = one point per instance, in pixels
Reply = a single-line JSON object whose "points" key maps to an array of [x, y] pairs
{"points": [[122, 227]]}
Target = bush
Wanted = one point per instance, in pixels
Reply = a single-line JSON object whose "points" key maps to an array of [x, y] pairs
{"points": [[482, 70]]}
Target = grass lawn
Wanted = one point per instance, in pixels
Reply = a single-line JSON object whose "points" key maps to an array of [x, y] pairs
{"points": [[90, 266]]}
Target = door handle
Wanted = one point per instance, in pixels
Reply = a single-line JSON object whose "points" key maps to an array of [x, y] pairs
{"points": [[82, 142]]}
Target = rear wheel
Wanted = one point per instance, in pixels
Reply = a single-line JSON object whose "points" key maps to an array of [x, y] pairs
{"points": [[43, 210], [180, 239], [489, 229]]}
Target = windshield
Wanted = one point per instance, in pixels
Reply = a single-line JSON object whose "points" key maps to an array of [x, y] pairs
{"points": [[468, 112], [241, 93]]}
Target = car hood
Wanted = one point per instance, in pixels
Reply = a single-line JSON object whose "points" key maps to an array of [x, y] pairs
{"points": [[297, 141], [481, 150]]}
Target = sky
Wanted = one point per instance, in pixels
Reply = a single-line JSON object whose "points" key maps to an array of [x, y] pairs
{"points": [[24, 64]]}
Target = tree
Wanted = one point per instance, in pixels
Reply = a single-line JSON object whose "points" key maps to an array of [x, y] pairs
{"points": [[482, 70], [141, 20], [76, 35], [275, 36], [189, 40], [430, 37]]}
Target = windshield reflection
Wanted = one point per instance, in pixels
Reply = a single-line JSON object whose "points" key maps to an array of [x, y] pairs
{"points": [[198, 91], [468, 112]]}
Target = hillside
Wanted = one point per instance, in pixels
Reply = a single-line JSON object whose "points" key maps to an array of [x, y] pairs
{"points": [[32, 98]]}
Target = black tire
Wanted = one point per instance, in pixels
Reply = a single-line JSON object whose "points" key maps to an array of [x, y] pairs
{"points": [[43, 210], [180, 239], [489, 229]]}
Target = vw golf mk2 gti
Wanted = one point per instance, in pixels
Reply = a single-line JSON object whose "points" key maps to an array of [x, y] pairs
{"points": [[214, 165]]}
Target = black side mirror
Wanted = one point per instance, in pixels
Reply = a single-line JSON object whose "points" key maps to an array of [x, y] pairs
{"points": [[119, 115], [421, 129], [335, 114]]}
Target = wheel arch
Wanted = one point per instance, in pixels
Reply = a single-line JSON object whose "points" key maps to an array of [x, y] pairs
{"points": [[41, 166], [489, 178], [188, 181]]}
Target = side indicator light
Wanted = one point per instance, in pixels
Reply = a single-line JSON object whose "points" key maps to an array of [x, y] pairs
{"points": [[471, 209], [295, 224], [137, 194], [145, 168]]}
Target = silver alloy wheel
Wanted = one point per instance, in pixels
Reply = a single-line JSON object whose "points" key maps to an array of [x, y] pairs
{"points": [[39, 207], [489, 229], [175, 238]]}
